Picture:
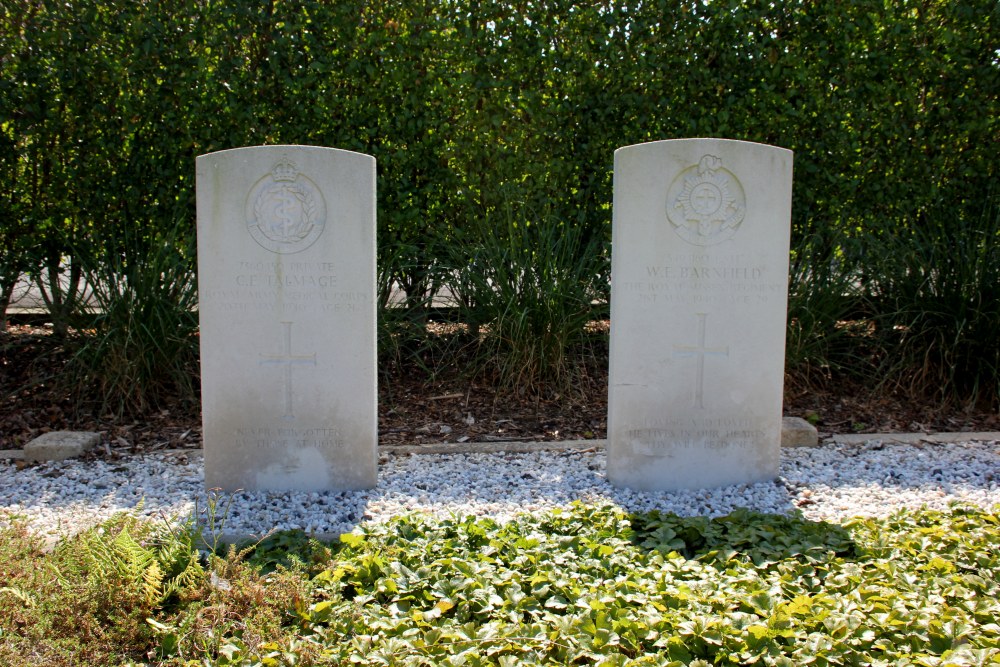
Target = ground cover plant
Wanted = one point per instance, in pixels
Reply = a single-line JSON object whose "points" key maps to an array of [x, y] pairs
{"points": [[587, 585]]}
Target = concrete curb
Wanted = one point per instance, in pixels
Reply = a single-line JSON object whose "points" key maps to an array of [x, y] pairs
{"points": [[913, 438], [594, 445], [506, 447], [499, 447]]}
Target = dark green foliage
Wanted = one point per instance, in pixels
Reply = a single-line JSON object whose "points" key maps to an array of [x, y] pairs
{"points": [[142, 349], [524, 284], [594, 586], [940, 312], [283, 550], [892, 109], [828, 313], [743, 535], [587, 585]]}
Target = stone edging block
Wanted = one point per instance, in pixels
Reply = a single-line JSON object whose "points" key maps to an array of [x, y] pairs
{"points": [[797, 432], [60, 445]]}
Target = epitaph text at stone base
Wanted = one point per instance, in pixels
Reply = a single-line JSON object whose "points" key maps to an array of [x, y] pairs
{"points": [[286, 274], [700, 244]]}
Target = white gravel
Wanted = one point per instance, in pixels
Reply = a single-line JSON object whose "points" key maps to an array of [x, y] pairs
{"points": [[832, 482]]}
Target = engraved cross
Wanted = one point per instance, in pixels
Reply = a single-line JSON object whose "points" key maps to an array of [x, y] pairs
{"points": [[699, 351], [287, 359], [706, 199]]}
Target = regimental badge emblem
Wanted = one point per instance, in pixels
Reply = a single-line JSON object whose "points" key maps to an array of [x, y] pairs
{"points": [[285, 211], [706, 203]]}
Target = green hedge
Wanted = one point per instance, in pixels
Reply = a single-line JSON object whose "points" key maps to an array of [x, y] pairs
{"points": [[892, 110]]}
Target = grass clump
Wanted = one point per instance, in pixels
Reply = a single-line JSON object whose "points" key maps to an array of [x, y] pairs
{"points": [[588, 585], [824, 304], [525, 284], [939, 287], [143, 349]]}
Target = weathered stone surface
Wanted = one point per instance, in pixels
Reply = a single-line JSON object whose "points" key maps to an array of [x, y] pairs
{"points": [[797, 432], [700, 242], [60, 445], [286, 272]]}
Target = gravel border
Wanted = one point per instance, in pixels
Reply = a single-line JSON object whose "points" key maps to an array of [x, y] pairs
{"points": [[831, 482]]}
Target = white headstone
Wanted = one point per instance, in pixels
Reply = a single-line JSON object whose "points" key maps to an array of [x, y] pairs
{"points": [[699, 287], [286, 275]]}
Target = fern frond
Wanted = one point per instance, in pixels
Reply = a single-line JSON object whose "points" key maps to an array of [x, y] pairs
{"points": [[129, 558], [25, 597], [153, 584]]}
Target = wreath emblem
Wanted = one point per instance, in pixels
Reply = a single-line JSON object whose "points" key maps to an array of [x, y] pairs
{"points": [[706, 203], [285, 210]]}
